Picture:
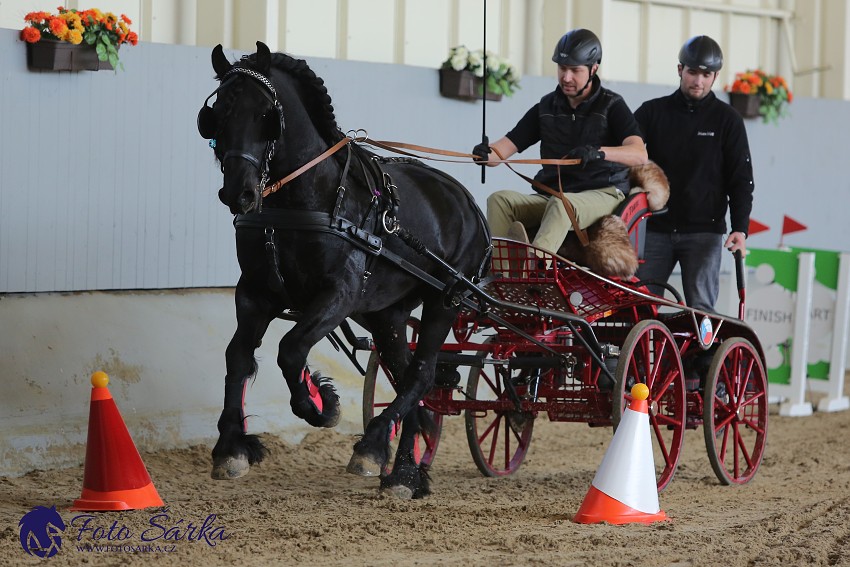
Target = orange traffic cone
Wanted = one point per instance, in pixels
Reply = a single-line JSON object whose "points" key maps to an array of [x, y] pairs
{"points": [[115, 477], [624, 490]]}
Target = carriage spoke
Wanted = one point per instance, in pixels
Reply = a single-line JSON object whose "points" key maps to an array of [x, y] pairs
{"points": [[494, 440]]}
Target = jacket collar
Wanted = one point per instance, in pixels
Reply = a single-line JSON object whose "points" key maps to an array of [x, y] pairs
{"points": [[691, 105]]}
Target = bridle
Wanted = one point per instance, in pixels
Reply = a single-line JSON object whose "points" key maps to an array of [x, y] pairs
{"points": [[272, 129]]}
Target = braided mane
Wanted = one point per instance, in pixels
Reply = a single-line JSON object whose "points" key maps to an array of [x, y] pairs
{"points": [[319, 105]]}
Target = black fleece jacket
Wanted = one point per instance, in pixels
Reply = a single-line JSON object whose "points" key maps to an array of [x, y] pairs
{"points": [[703, 149]]}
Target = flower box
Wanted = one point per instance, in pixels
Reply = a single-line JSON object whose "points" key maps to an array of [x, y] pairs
{"points": [[53, 55], [747, 105], [463, 85]]}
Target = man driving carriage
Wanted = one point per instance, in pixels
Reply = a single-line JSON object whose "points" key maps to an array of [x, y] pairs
{"points": [[582, 120]]}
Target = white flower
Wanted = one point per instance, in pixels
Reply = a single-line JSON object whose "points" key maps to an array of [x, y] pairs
{"points": [[458, 61], [493, 62], [474, 63]]}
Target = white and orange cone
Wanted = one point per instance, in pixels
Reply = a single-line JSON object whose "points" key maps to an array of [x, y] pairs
{"points": [[624, 489]]}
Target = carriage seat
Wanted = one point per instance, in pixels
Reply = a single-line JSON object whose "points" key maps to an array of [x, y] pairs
{"points": [[616, 242]]}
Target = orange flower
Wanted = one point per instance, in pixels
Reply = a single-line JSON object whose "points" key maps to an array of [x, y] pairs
{"points": [[126, 20], [36, 16], [30, 35], [58, 27]]}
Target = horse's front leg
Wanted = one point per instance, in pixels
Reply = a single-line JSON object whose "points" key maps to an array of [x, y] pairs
{"points": [[312, 396], [236, 451]]}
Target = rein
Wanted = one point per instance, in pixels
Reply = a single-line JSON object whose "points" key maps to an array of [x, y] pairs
{"points": [[402, 149]]}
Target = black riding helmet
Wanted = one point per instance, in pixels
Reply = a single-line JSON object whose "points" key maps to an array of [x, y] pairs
{"points": [[701, 52], [578, 47]]}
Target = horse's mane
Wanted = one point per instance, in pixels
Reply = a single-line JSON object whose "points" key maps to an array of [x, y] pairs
{"points": [[319, 105]]}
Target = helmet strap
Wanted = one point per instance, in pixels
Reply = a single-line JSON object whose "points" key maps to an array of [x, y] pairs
{"points": [[589, 79]]}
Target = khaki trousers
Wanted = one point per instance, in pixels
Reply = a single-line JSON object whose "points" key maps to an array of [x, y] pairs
{"points": [[546, 214]]}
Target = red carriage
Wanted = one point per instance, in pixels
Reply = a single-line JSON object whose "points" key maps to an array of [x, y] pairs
{"points": [[555, 338]]}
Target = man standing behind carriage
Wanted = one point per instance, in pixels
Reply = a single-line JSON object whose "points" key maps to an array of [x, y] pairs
{"points": [[701, 144], [580, 119]]}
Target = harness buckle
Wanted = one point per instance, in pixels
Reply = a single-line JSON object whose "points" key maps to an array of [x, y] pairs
{"points": [[390, 223]]}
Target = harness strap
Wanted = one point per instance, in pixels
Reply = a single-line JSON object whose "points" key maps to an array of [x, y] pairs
{"points": [[318, 221], [274, 187]]}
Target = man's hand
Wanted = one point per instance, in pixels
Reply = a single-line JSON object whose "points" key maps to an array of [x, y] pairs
{"points": [[481, 152], [586, 154], [736, 241]]}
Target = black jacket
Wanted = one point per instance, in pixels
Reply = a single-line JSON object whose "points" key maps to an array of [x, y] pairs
{"points": [[703, 149], [603, 119]]}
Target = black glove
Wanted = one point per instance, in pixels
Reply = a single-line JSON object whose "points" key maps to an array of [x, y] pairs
{"points": [[586, 154], [481, 152]]}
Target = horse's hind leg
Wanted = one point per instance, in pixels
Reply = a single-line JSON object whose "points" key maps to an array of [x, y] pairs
{"points": [[236, 451], [389, 331], [371, 451], [408, 478]]}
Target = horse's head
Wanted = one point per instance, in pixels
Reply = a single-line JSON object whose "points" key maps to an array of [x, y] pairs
{"points": [[244, 126]]}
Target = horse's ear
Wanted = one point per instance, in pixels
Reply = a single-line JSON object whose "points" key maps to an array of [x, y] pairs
{"points": [[219, 61], [264, 58]]}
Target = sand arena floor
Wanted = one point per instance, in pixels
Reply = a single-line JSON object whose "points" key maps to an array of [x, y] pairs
{"points": [[300, 507]]}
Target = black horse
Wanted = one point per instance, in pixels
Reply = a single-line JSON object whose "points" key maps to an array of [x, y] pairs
{"points": [[352, 235]]}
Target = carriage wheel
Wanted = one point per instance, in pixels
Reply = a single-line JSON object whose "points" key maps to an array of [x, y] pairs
{"points": [[735, 411], [378, 393], [498, 440], [650, 355]]}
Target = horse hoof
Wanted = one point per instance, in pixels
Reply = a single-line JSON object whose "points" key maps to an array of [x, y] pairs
{"points": [[401, 492], [230, 468], [362, 466]]}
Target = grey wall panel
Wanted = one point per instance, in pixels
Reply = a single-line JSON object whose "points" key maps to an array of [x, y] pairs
{"points": [[105, 183]]}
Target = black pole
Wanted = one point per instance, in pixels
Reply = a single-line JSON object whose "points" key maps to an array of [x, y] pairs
{"points": [[484, 139]]}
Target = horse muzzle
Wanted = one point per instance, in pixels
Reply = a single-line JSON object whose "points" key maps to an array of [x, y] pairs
{"points": [[247, 201]]}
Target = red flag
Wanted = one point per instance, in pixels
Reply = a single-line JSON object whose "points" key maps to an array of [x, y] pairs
{"points": [[789, 225], [756, 227]]}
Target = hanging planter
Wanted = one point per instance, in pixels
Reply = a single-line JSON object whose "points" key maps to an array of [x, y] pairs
{"points": [[769, 94], [461, 75], [53, 55], [747, 105], [76, 40], [463, 85]]}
